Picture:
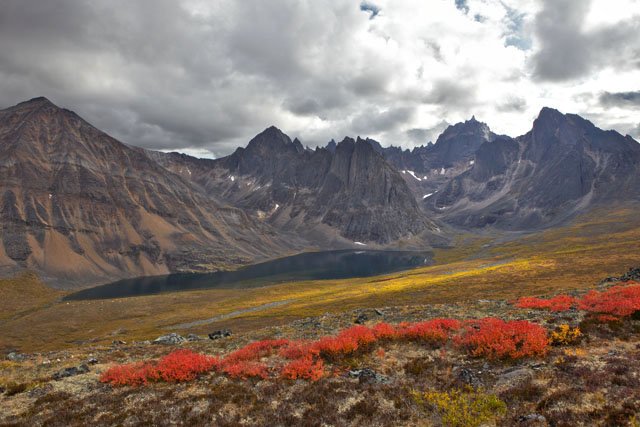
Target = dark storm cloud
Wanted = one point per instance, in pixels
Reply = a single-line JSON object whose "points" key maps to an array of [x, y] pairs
{"points": [[626, 99], [568, 51]]}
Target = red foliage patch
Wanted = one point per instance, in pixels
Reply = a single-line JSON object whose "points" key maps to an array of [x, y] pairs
{"points": [[346, 342], [434, 331], [496, 339], [557, 303], [304, 368], [245, 369], [180, 365], [616, 301]]}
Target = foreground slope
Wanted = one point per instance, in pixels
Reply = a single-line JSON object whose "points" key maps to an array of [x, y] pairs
{"points": [[80, 207]]}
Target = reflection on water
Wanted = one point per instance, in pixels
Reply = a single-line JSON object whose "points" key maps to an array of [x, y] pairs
{"points": [[307, 266]]}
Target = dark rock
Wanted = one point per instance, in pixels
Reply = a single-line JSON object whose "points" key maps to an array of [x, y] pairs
{"points": [[171, 339], [92, 361], [193, 337], [223, 333], [467, 377], [536, 418], [361, 319], [70, 372], [118, 342], [378, 312], [368, 376], [16, 357]]}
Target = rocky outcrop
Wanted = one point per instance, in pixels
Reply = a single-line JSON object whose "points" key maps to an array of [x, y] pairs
{"points": [[563, 166], [350, 193]]}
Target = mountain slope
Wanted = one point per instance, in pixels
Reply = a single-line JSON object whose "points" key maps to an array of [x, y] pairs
{"points": [[334, 196], [80, 207], [563, 166]]}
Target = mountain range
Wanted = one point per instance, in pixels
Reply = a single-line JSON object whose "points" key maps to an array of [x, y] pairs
{"points": [[81, 208]]}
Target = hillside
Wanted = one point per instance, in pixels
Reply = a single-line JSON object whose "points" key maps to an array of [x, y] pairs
{"points": [[80, 207], [482, 362]]}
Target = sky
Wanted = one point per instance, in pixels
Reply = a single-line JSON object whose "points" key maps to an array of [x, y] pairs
{"points": [[204, 77]]}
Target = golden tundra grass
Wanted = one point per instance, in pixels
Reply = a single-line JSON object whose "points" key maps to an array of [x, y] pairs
{"points": [[572, 257]]}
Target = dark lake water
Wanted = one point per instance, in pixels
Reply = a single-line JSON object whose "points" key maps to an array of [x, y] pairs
{"points": [[341, 264]]}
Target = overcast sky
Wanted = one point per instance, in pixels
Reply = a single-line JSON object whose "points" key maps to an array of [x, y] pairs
{"points": [[203, 77]]}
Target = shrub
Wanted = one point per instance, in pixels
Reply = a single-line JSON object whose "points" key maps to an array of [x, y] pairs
{"points": [[304, 368], [496, 339], [463, 408], [255, 350], [384, 331], [245, 369], [619, 301], [565, 335], [557, 303], [178, 366], [433, 331], [345, 343]]}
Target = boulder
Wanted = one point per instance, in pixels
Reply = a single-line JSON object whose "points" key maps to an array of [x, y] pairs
{"points": [[368, 376], [223, 333], [70, 372], [171, 339]]}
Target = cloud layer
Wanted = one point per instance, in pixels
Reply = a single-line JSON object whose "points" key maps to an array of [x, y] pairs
{"points": [[204, 77]]}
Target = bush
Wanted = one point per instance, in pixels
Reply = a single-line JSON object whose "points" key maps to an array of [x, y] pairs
{"points": [[557, 303], [178, 366], [434, 331], [619, 301], [496, 339], [304, 368], [565, 335], [463, 408], [345, 343], [245, 369]]}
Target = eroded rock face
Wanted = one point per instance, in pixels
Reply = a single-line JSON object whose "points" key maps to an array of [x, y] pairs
{"points": [[563, 166], [347, 191], [81, 207]]}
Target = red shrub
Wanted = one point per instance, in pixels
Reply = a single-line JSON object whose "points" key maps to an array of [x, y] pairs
{"points": [[617, 301], [496, 339], [304, 368], [557, 303], [255, 350], [433, 331], [245, 369], [384, 331], [181, 365], [346, 342], [298, 350]]}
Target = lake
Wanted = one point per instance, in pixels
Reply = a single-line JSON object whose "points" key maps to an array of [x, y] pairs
{"points": [[341, 264]]}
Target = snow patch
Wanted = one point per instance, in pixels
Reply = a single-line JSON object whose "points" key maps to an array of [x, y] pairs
{"points": [[50, 196], [427, 195], [360, 243], [276, 208], [472, 162], [232, 178], [189, 170], [413, 174], [442, 171]]}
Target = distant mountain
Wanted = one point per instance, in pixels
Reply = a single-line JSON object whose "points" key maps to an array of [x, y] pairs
{"points": [[563, 166], [345, 192], [81, 207]]}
